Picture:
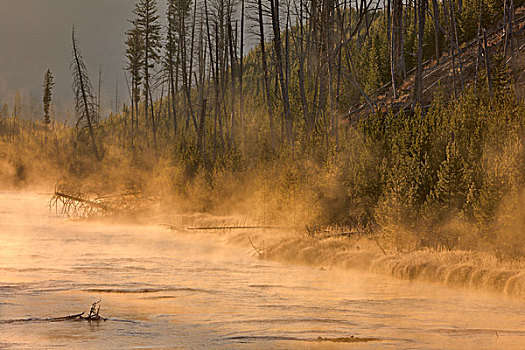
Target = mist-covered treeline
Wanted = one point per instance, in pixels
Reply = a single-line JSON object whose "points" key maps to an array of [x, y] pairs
{"points": [[329, 120]]}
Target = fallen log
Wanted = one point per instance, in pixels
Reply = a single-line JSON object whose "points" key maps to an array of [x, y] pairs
{"points": [[82, 200], [78, 206], [237, 228], [93, 316]]}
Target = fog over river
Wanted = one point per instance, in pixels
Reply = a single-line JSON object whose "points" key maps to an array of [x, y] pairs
{"points": [[163, 290]]}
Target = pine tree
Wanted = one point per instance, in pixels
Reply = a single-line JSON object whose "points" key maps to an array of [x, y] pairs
{"points": [[486, 205], [5, 111], [452, 185], [372, 65], [46, 99], [135, 58], [147, 24], [501, 76]]}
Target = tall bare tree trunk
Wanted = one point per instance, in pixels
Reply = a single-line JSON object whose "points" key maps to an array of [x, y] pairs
{"points": [[83, 102], [265, 73], [487, 62], [418, 86], [303, 36], [233, 70], [241, 73], [397, 51], [99, 88]]}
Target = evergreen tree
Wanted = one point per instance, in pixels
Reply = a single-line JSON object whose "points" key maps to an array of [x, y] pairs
{"points": [[396, 211], [373, 65], [489, 198], [501, 76], [5, 111], [147, 24], [135, 58], [46, 99], [452, 185]]}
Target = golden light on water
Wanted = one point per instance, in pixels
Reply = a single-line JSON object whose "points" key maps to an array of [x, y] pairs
{"points": [[161, 288]]}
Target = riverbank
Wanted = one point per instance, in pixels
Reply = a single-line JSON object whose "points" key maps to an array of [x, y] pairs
{"points": [[455, 268], [472, 270]]}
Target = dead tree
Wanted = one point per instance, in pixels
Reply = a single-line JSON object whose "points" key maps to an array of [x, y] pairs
{"points": [[99, 102], [85, 105], [171, 62], [418, 86], [299, 39], [187, 75], [266, 81], [509, 47], [214, 76], [397, 61], [200, 81], [435, 10], [487, 62], [77, 206], [241, 73], [277, 42], [233, 71]]}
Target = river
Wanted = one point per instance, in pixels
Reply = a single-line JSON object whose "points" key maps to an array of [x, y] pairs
{"points": [[163, 290]]}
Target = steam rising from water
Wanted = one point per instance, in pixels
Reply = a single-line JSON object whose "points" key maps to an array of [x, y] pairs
{"points": [[457, 269], [163, 289]]}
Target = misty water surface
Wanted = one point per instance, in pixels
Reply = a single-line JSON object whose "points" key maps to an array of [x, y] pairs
{"points": [[163, 290]]}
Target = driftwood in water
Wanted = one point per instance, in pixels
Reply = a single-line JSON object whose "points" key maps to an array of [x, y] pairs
{"points": [[87, 202], [255, 250], [76, 317], [351, 339], [82, 200], [77, 206], [94, 315]]}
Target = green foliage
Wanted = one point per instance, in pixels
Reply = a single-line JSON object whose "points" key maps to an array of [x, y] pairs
{"points": [[146, 22], [453, 182], [421, 177], [501, 76], [47, 96], [135, 55]]}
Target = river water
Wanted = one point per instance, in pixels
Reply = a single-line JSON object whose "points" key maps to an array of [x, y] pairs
{"points": [[163, 290]]}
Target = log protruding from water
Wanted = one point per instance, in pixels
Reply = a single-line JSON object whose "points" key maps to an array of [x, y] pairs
{"points": [[94, 314], [87, 202], [77, 205]]}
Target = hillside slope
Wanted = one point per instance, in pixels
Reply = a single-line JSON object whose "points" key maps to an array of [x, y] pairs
{"points": [[441, 74]]}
